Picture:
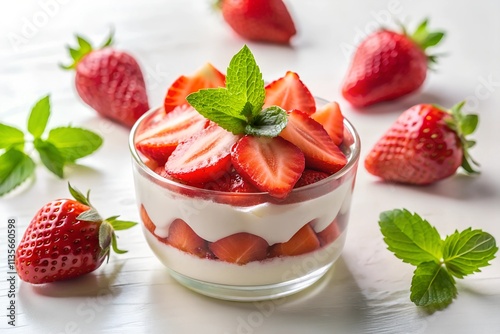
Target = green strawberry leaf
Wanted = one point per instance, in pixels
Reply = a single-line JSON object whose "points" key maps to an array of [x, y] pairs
{"points": [[269, 122], [74, 143], [120, 225], [114, 244], [106, 234], [15, 168], [465, 252], [78, 195], [411, 238], [11, 137], [39, 116], [432, 286], [50, 157], [84, 48], [244, 80], [90, 215]]}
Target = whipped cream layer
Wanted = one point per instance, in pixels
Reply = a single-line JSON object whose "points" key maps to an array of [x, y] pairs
{"points": [[213, 221]]}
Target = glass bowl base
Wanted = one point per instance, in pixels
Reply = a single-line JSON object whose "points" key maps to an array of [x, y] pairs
{"points": [[250, 293]]}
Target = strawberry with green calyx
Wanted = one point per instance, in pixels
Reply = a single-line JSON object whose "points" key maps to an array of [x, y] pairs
{"points": [[389, 64], [425, 144], [110, 81], [67, 238]]}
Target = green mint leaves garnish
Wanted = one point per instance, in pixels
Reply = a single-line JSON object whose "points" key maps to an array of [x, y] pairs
{"points": [[413, 240], [62, 146], [238, 107]]}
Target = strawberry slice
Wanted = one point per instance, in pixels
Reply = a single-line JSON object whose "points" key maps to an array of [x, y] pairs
{"points": [[204, 157], [329, 234], [148, 223], [206, 77], [320, 151], [182, 237], [304, 241], [232, 182], [240, 248], [310, 176], [290, 93], [332, 120], [159, 141], [273, 165]]}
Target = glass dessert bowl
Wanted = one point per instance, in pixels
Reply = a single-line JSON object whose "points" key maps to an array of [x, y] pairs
{"points": [[244, 189], [244, 246]]}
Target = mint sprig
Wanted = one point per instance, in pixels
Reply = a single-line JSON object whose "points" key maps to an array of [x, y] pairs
{"points": [[238, 107], [62, 146], [413, 240]]}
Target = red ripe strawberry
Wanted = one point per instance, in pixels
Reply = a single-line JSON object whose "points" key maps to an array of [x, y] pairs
{"points": [[289, 92], [320, 151], [272, 165], [329, 234], [388, 65], [202, 158], [310, 176], [67, 238], [109, 81], [160, 139], [259, 20], [206, 77], [182, 236], [424, 145], [240, 248], [332, 120], [304, 241]]}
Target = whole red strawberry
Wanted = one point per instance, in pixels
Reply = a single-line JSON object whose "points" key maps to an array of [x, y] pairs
{"points": [[109, 81], [425, 144], [67, 238], [388, 65], [259, 20]]}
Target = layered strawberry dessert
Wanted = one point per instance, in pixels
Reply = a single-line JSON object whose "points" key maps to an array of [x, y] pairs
{"points": [[242, 184]]}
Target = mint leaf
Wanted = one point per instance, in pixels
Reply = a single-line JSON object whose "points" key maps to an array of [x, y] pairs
{"points": [[11, 136], [50, 156], [269, 122], [411, 238], [432, 286], [238, 107], [219, 106], [74, 143], [39, 116], [465, 252], [244, 79], [15, 168]]}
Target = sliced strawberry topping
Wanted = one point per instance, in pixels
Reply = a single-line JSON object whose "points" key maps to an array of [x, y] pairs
{"points": [[206, 77], [273, 165], [304, 241], [158, 141], [332, 120], [240, 248], [182, 237], [320, 151], [290, 93], [310, 176], [231, 182], [204, 157], [329, 234]]}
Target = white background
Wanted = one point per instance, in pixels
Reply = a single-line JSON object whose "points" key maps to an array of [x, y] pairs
{"points": [[368, 290]]}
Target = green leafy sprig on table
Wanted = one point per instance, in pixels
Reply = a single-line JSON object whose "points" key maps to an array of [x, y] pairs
{"points": [[60, 147], [238, 107], [413, 240]]}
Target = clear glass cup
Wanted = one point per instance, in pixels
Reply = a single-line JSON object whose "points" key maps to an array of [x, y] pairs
{"points": [[214, 215]]}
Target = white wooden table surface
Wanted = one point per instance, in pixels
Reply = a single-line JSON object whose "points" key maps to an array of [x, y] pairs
{"points": [[368, 289]]}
